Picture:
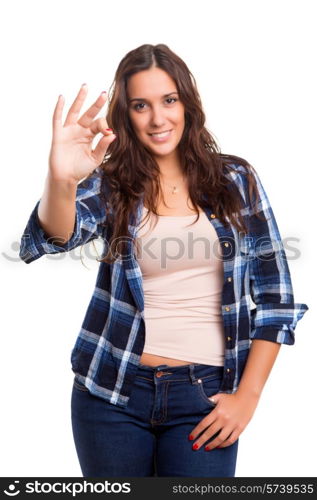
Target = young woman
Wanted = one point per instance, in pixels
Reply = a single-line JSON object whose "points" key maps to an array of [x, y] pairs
{"points": [[193, 297]]}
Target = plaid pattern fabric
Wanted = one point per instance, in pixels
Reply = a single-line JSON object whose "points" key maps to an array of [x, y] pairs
{"points": [[257, 298]]}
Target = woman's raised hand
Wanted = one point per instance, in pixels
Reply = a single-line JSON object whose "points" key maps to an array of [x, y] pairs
{"points": [[71, 156]]}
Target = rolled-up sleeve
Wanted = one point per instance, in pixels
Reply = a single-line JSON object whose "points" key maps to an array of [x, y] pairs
{"points": [[89, 223], [276, 314]]}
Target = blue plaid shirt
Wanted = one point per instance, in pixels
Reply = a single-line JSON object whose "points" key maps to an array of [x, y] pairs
{"points": [[108, 348]]}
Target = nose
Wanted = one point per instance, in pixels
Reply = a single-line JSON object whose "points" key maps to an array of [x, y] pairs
{"points": [[157, 117]]}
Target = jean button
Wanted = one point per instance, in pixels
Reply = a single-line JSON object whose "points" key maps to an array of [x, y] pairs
{"points": [[159, 374]]}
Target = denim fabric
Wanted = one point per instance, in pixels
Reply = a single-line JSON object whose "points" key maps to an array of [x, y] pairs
{"points": [[149, 437]]}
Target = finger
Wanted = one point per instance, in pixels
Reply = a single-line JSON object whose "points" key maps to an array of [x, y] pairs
{"points": [[102, 146], [75, 108], [91, 113], [58, 113], [205, 422], [210, 433], [219, 439], [227, 442], [100, 125]]}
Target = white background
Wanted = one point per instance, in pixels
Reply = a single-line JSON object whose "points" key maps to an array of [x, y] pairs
{"points": [[254, 65]]}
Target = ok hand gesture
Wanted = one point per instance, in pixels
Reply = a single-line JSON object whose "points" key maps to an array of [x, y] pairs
{"points": [[71, 156]]}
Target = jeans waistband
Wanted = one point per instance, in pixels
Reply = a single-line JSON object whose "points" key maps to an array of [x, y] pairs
{"points": [[192, 371]]}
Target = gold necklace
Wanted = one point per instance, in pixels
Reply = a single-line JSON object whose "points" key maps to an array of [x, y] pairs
{"points": [[175, 188]]}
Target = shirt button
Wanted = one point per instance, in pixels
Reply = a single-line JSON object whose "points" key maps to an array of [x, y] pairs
{"points": [[227, 308], [228, 338], [212, 216], [230, 278], [226, 244], [199, 380]]}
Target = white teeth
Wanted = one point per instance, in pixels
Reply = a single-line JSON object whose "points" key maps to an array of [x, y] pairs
{"points": [[163, 134]]}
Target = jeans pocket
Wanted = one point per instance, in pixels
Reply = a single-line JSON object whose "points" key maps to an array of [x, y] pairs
{"points": [[79, 385], [209, 386]]}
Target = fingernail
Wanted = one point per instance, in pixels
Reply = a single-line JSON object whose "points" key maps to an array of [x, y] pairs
{"points": [[206, 448], [108, 128], [195, 446], [84, 84], [103, 93], [190, 437]]}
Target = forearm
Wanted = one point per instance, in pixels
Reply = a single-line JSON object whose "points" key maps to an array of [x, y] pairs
{"points": [[57, 209], [260, 361]]}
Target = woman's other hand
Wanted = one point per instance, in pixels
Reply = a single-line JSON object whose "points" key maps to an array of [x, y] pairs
{"points": [[229, 418]]}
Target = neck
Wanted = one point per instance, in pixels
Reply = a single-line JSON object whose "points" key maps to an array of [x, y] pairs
{"points": [[170, 170]]}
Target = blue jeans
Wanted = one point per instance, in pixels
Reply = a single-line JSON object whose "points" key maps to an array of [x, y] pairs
{"points": [[150, 436]]}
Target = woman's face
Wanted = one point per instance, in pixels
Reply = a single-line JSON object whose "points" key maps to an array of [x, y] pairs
{"points": [[154, 107]]}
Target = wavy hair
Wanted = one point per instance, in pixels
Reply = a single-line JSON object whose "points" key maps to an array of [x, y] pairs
{"points": [[129, 171]]}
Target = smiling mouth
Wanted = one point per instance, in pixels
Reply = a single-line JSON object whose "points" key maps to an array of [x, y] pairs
{"points": [[161, 134]]}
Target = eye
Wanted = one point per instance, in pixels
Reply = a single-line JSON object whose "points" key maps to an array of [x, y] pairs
{"points": [[137, 108], [172, 99], [136, 105]]}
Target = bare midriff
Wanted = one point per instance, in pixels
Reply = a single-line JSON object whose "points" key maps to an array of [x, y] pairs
{"points": [[154, 360]]}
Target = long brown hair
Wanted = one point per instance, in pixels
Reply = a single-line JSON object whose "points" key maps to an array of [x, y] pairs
{"points": [[128, 166]]}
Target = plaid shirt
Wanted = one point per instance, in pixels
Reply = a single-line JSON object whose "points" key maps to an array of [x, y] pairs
{"points": [[109, 345]]}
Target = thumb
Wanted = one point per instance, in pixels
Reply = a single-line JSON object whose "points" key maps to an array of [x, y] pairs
{"points": [[102, 146], [216, 398]]}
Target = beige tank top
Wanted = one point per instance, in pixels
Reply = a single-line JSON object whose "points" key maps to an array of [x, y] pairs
{"points": [[182, 281]]}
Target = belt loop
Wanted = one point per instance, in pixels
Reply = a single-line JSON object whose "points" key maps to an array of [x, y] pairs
{"points": [[191, 373]]}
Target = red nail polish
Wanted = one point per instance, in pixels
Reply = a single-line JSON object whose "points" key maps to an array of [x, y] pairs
{"points": [[195, 446], [108, 128], [206, 448], [190, 437]]}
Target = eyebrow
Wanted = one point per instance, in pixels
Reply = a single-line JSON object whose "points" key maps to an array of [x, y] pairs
{"points": [[141, 99]]}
